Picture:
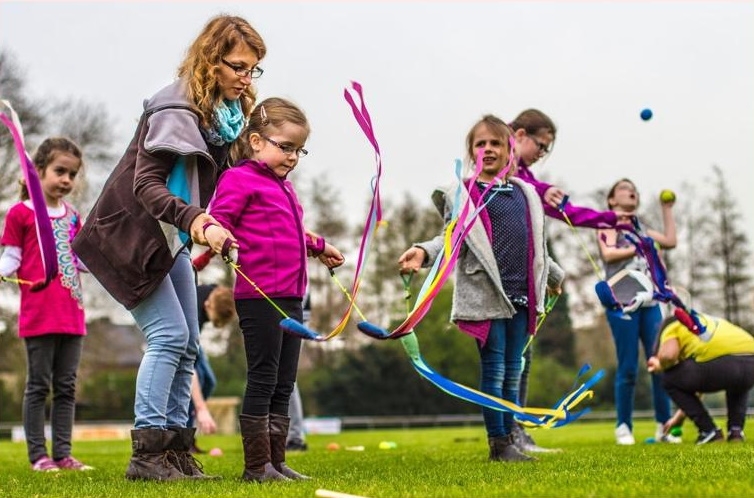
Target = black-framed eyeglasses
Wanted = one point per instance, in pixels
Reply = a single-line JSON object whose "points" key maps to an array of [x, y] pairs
{"points": [[287, 149], [254, 73], [543, 148]]}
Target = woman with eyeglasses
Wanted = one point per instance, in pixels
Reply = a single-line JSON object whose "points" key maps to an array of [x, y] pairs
{"points": [[535, 134], [137, 238], [257, 200]]}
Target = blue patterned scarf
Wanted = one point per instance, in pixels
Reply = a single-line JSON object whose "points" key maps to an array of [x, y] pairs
{"points": [[229, 121]]}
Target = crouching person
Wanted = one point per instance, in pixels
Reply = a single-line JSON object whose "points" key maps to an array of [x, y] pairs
{"points": [[690, 366]]}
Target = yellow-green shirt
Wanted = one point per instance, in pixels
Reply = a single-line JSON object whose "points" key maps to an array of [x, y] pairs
{"points": [[727, 339]]}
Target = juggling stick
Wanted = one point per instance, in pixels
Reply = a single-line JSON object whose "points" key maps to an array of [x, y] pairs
{"points": [[326, 493]]}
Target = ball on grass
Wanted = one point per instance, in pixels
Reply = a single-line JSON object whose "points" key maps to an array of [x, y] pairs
{"points": [[646, 114], [215, 452], [333, 446], [676, 431], [667, 196]]}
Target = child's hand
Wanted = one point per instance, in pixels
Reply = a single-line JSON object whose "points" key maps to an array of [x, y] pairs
{"points": [[205, 421], [412, 260], [207, 231], [653, 364], [554, 196], [331, 257]]}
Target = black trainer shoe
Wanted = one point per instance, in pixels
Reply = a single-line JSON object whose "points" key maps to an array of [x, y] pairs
{"points": [[710, 437]]}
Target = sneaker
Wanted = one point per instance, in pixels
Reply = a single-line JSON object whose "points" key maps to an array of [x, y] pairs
{"points": [[661, 437], [44, 464], [736, 436], [296, 445], [623, 435], [524, 442], [710, 437], [70, 463]]}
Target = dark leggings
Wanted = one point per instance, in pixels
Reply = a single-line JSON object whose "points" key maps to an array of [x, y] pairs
{"points": [[271, 354], [52, 360], [733, 374]]}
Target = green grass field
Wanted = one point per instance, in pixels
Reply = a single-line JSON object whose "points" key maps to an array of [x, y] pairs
{"points": [[427, 463]]}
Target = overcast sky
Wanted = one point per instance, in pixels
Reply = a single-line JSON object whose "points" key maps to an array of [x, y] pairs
{"points": [[431, 69]]}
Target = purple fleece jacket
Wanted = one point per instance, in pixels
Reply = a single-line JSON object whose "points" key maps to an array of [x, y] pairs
{"points": [[262, 211], [579, 216]]}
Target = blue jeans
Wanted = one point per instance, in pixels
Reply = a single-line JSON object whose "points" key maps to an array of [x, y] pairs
{"points": [[170, 324], [501, 368], [207, 381], [642, 327]]}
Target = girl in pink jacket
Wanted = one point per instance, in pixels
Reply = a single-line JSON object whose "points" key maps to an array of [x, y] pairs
{"points": [[257, 203]]}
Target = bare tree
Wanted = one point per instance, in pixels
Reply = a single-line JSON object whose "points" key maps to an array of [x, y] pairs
{"points": [[32, 116], [727, 251]]}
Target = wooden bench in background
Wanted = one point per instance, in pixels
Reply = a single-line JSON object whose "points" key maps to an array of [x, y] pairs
{"points": [[224, 409]]}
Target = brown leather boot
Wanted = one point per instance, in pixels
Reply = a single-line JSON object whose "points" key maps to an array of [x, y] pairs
{"points": [[185, 461], [278, 434], [503, 449], [255, 434], [150, 460]]}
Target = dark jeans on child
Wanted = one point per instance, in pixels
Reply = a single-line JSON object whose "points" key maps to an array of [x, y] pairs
{"points": [[733, 374], [52, 360]]}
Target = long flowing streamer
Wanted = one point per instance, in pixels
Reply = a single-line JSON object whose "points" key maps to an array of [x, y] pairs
{"points": [[373, 223], [460, 224], [45, 237], [557, 416]]}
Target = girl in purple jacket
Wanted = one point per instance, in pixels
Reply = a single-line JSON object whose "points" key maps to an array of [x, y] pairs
{"points": [[257, 203], [535, 134]]}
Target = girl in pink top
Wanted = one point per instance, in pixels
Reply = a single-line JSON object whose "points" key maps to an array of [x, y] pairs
{"points": [[50, 320], [257, 203]]}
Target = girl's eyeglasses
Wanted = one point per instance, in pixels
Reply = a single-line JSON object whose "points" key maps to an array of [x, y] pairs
{"points": [[287, 149], [543, 148]]}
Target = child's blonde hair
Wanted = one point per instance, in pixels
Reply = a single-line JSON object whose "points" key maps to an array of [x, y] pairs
{"points": [[273, 112], [497, 127]]}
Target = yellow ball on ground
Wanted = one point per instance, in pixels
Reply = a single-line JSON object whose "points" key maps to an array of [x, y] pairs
{"points": [[667, 196]]}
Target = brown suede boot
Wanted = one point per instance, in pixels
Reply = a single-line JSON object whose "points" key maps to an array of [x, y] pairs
{"points": [[185, 461], [503, 449], [150, 460], [278, 434], [255, 434]]}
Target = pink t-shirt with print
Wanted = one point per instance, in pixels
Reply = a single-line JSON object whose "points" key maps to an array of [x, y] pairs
{"points": [[58, 308]]}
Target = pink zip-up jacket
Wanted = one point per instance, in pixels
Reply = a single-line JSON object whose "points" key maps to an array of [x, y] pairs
{"points": [[263, 212]]}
